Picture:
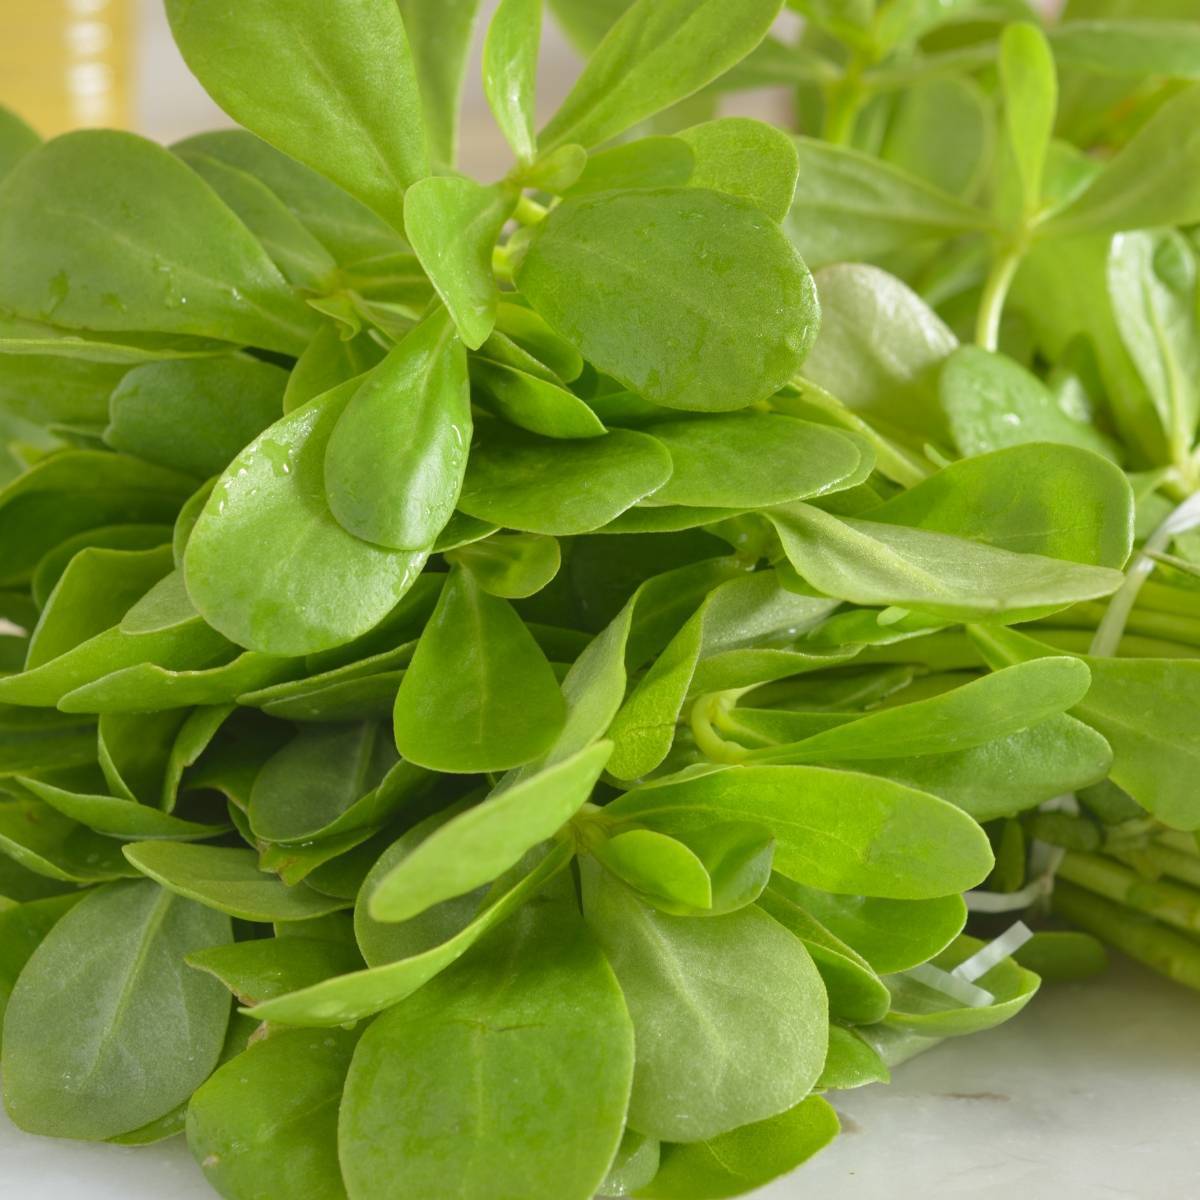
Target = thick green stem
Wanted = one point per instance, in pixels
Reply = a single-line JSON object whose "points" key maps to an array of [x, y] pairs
{"points": [[1161, 949], [1166, 902], [995, 293]]}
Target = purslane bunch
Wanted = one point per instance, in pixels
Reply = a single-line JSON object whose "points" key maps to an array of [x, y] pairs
{"points": [[509, 684]]}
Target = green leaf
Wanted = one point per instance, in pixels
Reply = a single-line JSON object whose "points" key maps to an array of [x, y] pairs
{"points": [[510, 565], [292, 602], [453, 224], [744, 1158], [1129, 47], [850, 1062], [1152, 282], [753, 460], [657, 53], [267, 967], [510, 56], [746, 158], [76, 490], [534, 1012], [339, 95], [878, 348], [754, 1041], [265, 1124], [328, 361], [227, 880], [635, 1165], [479, 694], [1009, 775], [835, 830], [483, 842], [1151, 181], [868, 562], [96, 589], [395, 460], [849, 205], [29, 739], [649, 162], [51, 845], [119, 818], [316, 778], [855, 991], [519, 396], [891, 935], [992, 706], [942, 132], [106, 1028], [351, 997], [992, 402], [149, 248], [609, 272], [302, 260], [440, 33], [661, 869], [23, 927], [921, 1009], [348, 229], [559, 487], [17, 139], [194, 415], [585, 22], [1030, 90], [1051, 500], [1142, 707]]}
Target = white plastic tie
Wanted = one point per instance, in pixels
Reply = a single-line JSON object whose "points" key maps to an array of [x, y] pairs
{"points": [[996, 951]]}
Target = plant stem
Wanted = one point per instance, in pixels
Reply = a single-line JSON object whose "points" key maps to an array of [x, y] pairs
{"points": [[843, 101], [995, 292], [1161, 949], [1167, 902]]}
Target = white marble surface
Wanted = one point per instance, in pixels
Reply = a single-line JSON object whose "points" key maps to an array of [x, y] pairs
{"points": [[1092, 1094]]}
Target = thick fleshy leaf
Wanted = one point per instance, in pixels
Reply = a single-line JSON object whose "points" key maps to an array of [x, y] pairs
{"points": [[849, 205], [194, 415], [690, 298], [744, 1158], [527, 1043], [440, 34], [395, 460], [148, 247], [510, 565], [559, 487], [227, 880], [1151, 181], [107, 1029], [836, 830], [753, 460], [346, 227], [351, 997], [658, 52], [483, 842], [297, 600], [872, 563], [302, 260], [510, 72], [992, 402], [756, 1041], [265, 1124], [453, 224], [747, 158], [479, 694], [333, 88]]}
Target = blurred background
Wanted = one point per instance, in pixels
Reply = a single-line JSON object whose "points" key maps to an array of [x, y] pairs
{"points": [[71, 63]]}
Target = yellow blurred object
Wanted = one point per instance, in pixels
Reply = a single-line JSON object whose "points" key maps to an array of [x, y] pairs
{"points": [[67, 63]]}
